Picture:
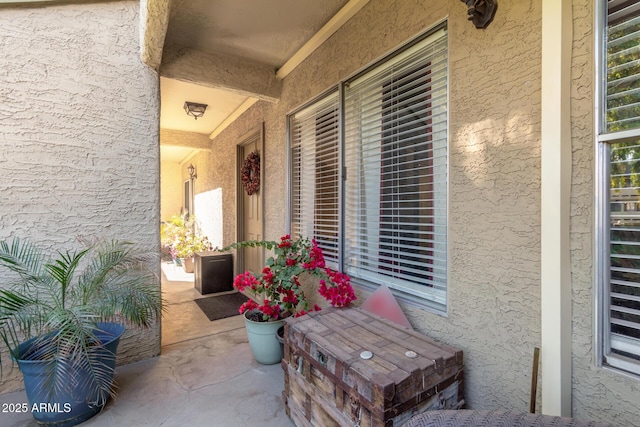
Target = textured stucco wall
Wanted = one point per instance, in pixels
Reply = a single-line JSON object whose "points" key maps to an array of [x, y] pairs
{"points": [[79, 149], [173, 173], [171, 189], [154, 21], [494, 205], [597, 393]]}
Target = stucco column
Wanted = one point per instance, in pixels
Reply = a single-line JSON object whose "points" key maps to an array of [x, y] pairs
{"points": [[556, 186], [154, 20]]}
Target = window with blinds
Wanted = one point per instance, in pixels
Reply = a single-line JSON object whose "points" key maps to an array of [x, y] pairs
{"points": [[619, 137], [623, 65], [624, 288], [395, 196], [369, 173], [314, 175]]}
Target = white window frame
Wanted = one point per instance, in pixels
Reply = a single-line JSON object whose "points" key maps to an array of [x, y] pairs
{"points": [[604, 355], [424, 296]]}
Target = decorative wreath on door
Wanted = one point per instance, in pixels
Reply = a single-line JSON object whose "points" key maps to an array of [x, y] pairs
{"points": [[250, 173]]}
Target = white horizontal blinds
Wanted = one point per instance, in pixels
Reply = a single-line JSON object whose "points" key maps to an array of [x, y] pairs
{"points": [[396, 161], [622, 113], [315, 177], [624, 291], [623, 65]]}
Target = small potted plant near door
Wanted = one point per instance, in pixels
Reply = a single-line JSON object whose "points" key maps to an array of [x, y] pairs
{"points": [[61, 318], [280, 293], [183, 238], [186, 247], [170, 231]]}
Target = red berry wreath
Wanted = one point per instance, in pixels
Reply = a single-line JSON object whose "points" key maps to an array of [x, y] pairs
{"points": [[250, 173]]}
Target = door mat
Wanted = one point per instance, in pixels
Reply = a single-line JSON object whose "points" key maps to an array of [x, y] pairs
{"points": [[221, 306]]}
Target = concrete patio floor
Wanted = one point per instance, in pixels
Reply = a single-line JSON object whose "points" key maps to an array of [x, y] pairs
{"points": [[205, 375]]}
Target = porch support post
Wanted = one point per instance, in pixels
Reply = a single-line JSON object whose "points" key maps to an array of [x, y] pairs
{"points": [[555, 213], [154, 20]]}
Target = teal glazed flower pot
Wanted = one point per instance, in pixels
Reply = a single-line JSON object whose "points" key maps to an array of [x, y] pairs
{"points": [[67, 406], [264, 344]]}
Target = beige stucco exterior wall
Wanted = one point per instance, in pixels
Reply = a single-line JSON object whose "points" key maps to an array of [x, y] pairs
{"points": [[173, 173], [79, 149], [171, 189]]}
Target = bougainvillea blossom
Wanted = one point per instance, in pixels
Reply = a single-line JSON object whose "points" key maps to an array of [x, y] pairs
{"points": [[278, 285]]}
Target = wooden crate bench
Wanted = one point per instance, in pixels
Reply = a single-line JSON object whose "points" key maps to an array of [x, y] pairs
{"points": [[328, 383]]}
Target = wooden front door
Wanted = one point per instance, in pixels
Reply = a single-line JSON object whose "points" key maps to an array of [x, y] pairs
{"points": [[250, 207]]}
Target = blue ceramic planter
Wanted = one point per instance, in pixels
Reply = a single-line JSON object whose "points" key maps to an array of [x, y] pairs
{"points": [[69, 406]]}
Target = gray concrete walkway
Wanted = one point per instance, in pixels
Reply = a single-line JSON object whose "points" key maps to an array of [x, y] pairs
{"points": [[205, 376]]}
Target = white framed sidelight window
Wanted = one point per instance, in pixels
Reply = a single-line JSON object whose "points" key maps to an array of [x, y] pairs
{"points": [[618, 185], [369, 167]]}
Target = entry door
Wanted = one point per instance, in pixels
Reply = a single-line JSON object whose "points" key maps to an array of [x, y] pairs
{"points": [[250, 213]]}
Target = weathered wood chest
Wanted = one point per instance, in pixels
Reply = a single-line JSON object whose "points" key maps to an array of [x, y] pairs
{"points": [[331, 380]]}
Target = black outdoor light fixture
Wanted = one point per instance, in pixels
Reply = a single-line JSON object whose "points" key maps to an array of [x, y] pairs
{"points": [[195, 110], [192, 171], [481, 12]]}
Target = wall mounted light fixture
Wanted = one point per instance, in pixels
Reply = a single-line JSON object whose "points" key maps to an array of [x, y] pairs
{"points": [[193, 174], [195, 110], [481, 12]]}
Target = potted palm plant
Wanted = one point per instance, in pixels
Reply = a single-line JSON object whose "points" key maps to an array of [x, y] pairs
{"points": [[61, 318]]}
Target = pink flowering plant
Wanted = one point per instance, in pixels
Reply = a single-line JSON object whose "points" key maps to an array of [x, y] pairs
{"points": [[278, 285]]}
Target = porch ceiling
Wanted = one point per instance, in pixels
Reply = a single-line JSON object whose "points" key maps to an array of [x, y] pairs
{"points": [[225, 53], [266, 32]]}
